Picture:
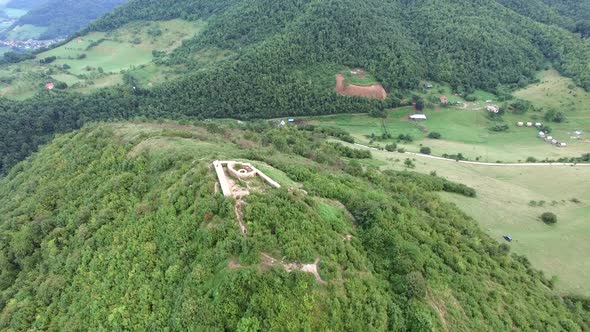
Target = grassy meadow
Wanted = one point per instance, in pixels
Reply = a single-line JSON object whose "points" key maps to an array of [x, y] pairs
{"points": [[465, 126], [503, 206], [27, 31], [99, 59], [358, 77]]}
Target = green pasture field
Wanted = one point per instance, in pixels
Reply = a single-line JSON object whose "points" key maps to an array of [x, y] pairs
{"points": [[465, 127], [502, 207], [362, 78], [106, 57], [27, 31]]}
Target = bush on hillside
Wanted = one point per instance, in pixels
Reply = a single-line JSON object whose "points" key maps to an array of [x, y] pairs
{"points": [[499, 128], [434, 135], [425, 150], [405, 138], [391, 147], [554, 116], [549, 218]]}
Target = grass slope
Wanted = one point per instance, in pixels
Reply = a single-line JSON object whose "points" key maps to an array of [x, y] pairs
{"points": [[502, 206], [465, 127], [128, 49]]}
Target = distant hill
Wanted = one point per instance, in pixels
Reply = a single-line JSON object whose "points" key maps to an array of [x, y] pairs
{"points": [[283, 56], [26, 4], [121, 227], [63, 17]]}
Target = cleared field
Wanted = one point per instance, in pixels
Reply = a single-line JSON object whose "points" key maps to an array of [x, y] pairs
{"points": [[358, 77], [14, 13], [502, 206], [465, 127], [99, 59], [27, 31]]}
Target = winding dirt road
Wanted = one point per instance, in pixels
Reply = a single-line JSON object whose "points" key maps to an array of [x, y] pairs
{"points": [[485, 164]]}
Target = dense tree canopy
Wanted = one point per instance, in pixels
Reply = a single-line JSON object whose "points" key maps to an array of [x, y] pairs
{"points": [[285, 55], [119, 227]]}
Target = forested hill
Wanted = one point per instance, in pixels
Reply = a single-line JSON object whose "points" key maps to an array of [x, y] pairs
{"points": [[121, 227], [65, 17], [284, 55]]}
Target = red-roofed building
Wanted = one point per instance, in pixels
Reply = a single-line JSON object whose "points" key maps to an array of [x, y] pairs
{"points": [[50, 86], [444, 100]]}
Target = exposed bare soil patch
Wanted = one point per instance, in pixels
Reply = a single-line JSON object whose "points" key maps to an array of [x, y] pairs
{"points": [[374, 91], [269, 261]]}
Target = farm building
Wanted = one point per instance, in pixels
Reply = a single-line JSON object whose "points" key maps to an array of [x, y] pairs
{"points": [[529, 124], [493, 109], [443, 100], [49, 86], [520, 124], [418, 117]]}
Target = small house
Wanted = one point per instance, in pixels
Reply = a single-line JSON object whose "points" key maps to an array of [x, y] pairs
{"points": [[541, 134], [443, 100], [549, 138], [49, 85], [578, 133], [554, 141], [520, 124], [428, 85], [538, 124], [562, 145], [282, 122], [291, 120], [418, 117], [529, 124]]}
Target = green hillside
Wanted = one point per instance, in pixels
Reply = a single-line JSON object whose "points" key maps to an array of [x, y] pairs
{"points": [[121, 227], [98, 59], [58, 18], [264, 59]]}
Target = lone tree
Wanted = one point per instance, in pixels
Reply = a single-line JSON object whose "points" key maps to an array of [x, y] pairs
{"points": [[549, 218], [425, 150], [434, 135]]}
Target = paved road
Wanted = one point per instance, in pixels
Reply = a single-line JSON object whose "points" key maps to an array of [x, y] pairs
{"points": [[485, 164]]}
